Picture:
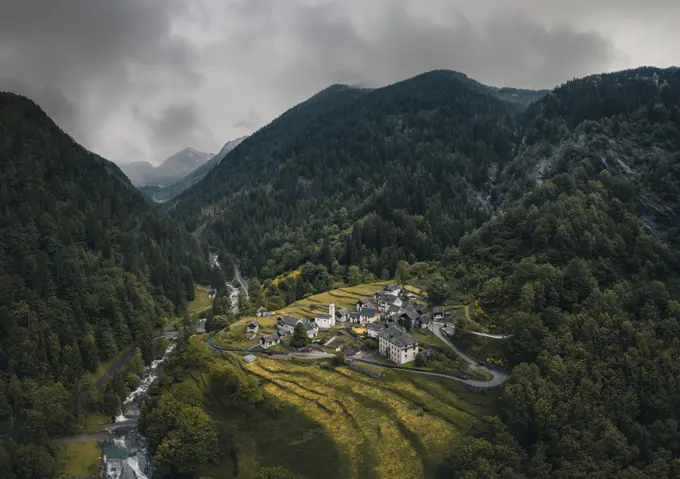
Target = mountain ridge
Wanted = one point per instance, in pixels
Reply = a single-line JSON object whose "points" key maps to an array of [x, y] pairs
{"points": [[88, 270]]}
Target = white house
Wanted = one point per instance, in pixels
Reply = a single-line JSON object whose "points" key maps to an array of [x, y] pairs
{"points": [[326, 321], [269, 341], [286, 324], [262, 312], [397, 346], [354, 318], [393, 289], [368, 315], [342, 315], [372, 330]]}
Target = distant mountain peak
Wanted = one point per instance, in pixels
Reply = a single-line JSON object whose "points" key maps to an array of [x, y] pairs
{"points": [[171, 170]]}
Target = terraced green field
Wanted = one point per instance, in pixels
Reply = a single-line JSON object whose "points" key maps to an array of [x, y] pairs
{"points": [[339, 423], [342, 297]]}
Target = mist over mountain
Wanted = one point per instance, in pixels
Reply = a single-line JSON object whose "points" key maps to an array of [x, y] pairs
{"points": [[173, 169], [161, 194]]}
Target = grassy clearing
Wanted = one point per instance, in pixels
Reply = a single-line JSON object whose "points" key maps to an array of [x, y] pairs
{"points": [[235, 337], [413, 289], [92, 422], [80, 458], [201, 301], [426, 338]]}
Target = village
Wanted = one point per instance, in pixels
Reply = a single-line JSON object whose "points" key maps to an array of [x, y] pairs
{"points": [[387, 318]]}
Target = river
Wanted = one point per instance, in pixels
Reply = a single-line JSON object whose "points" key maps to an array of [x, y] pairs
{"points": [[126, 454]]}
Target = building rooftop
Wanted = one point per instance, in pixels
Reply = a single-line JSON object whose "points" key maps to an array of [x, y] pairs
{"points": [[438, 310], [392, 287], [411, 312], [250, 358], [322, 316], [271, 337], [289, 320], [398, 337], [367, 312], [309, 325], [375, 326]]}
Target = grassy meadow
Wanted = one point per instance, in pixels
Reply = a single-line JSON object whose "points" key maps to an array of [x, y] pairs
{"points": [[80, 459], [201, 300], [338, 423]]}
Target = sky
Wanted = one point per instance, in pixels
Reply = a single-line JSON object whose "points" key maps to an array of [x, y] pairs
{"points": [[138, 80]]}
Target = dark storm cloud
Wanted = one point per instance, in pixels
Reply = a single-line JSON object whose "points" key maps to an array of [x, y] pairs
{"points": [[178, 122], [141, 79], [94, 53], [505, 48]]}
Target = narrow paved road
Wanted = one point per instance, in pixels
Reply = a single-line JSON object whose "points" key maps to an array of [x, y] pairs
{"points": [[492, 336], [498, 376], [312, 355]]}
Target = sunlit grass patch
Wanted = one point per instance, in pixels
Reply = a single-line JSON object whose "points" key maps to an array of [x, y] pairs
{"points": [[401, 429], [79, 458], [345, 297], [201, 301]]}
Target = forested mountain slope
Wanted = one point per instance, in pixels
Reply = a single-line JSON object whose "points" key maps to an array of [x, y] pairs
{"points": [[578, 258], [87, 268], [568, 266], [386, 174], [628, 120]]}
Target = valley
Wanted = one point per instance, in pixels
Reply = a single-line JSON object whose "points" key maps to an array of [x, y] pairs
{"points": [[432, 278], [430, 409]]}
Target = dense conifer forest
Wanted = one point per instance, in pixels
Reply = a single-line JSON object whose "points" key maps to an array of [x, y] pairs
{"points": [[381, 175], [87, 269]]}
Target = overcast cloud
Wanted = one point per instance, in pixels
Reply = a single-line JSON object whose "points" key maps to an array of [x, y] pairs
{"points": [[141, 79]]}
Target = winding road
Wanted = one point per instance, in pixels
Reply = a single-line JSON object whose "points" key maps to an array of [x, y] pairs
{"points": [[498, 376], [492, 336]]}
